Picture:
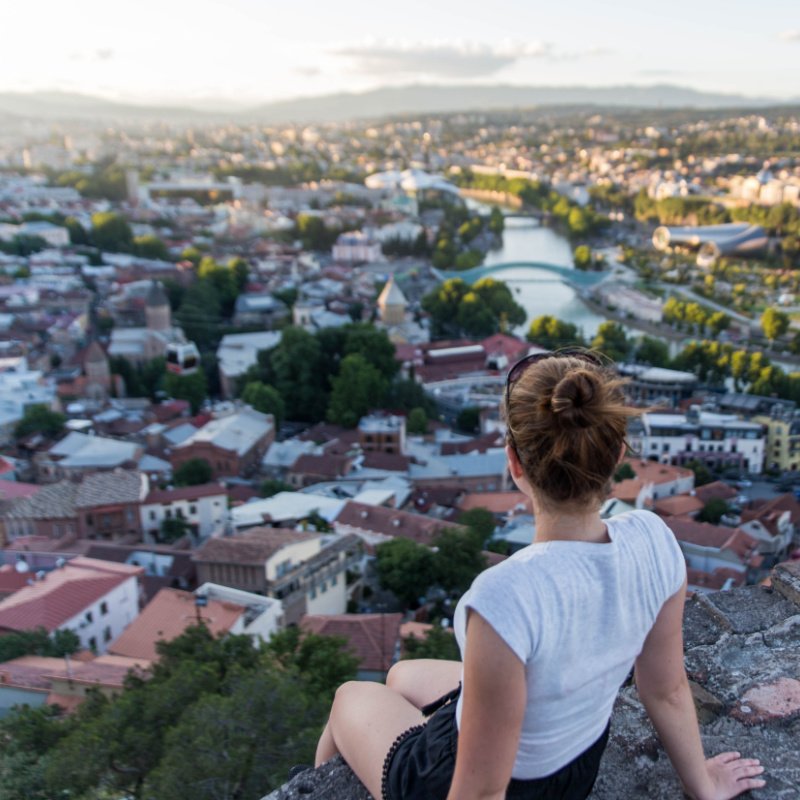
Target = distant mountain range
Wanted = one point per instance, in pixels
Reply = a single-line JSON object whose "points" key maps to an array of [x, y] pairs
{"points": [[384, 102]]}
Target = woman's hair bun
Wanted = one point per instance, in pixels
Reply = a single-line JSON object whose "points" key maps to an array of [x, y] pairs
{"points": [[574, 396]]}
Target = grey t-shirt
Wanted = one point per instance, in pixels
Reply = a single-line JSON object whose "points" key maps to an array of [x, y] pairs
{"points": [[576, 614]]}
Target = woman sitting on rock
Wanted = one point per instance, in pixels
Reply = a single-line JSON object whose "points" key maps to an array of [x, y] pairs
{"points": [[548, 636]]}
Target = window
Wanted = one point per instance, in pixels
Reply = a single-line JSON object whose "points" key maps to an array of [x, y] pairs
{"points": [[312, 594], [192, 509], [334, 579], [89, 519], [152, 515], [93, 644], [324, 587], [89, 616], [107, 634], [104, 608]]}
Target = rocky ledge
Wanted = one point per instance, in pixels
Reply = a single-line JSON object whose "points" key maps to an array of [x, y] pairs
{"points": [[743, 661]]}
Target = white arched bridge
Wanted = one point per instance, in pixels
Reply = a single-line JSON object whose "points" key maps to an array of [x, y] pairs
{"points": [[574, 277]]}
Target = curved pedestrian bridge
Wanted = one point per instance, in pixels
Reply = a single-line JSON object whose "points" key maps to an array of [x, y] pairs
{"points": [[574, 277]]}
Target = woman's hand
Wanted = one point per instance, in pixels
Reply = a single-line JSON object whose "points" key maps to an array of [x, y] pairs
{"points": [[729, 775]]}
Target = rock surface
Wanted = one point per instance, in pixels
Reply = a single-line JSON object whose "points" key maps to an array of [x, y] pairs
{"points": [[743, 660]]}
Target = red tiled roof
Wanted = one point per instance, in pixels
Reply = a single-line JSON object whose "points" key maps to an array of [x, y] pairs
{"points": [[252, 547], [372, 637], [511, 347], [715, 536], [480, 444], [10, 490], [63, 594], [167, 616], [390, 522], [497, 502], [323, 466], [189, 493], [717, 490], [393, 462], [11, 580], [679, 505]]}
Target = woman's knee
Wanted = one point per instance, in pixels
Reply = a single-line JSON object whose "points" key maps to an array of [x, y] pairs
{"points": [[397, 675]]}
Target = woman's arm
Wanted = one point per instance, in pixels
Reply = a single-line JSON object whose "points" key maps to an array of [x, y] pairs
{"points": [[664, 690], [492, 712]]}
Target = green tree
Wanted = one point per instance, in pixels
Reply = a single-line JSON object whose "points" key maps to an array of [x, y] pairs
{"points": [[437, 643], [324, 662], [417, 421], [300, 374], [111, 231], [497, 221], [265, 399], [611, 340], [458, 559], [713, 511], [357, 388], [582, 257], [151, 247], [652, 351], [272, 486], [241, 272], [193, 472], [38, 642], [774, 323], [187, 387], [469, 420], [172, 529], [702, 474], [40, 419], [624, 472], [552, 333], [374, 345], [405, 568], [480, 522], [238, 744]]}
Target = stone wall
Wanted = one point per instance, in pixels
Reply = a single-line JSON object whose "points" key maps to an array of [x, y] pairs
{"points": [[743, 661]]}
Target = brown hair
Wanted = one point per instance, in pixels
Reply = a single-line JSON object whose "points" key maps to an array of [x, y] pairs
{"points": [[567, 421]]}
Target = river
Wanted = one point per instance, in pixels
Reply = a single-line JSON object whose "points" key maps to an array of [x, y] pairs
{"points": [[537, 291]]}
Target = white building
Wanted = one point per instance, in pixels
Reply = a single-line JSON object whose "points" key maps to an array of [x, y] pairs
{"points": [[237, 352], [262, 617], [54, 235], [95, 599], [21, 388], [356, 247], [204, 508], [715, 439]]}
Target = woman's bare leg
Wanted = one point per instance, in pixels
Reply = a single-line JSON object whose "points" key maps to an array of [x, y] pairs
{"points": [[365, 720], [423, 680]]}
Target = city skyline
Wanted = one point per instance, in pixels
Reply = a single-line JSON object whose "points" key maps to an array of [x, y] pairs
{"points": [[242, 52]]}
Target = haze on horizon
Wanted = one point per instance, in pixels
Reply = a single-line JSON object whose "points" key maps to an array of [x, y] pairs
{"points": [[240, 52]]}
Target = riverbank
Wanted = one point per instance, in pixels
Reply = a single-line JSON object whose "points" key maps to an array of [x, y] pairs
{"points": [[493, 198]]}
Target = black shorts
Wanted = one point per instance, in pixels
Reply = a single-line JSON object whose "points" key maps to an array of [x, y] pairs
{"points": [[422, 760]]}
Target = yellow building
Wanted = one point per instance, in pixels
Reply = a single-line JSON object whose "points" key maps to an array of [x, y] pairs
{"points": [[782, 449]]}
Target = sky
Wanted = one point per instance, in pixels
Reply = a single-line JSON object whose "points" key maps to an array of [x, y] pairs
{"points": [[240, 52]]}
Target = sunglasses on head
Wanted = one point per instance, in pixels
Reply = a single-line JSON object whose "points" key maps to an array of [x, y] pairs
{"points": [[515, 373]]}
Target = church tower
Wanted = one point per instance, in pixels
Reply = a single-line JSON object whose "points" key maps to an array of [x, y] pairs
{"points": [[157, 313], [392, 304]]}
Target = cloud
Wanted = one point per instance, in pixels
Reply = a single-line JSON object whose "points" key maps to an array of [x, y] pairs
{"points": [[308, 72], [447, 59], [660, 73], [101, 54], [790, 36]]}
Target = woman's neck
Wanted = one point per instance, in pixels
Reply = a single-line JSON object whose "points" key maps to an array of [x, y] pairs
{"points": [[577, 526]]}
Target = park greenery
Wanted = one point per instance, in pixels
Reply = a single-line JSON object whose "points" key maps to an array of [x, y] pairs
{"points": [[579, 222], [338, 374], [458, 309], [713, 362], [216, 719]]}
